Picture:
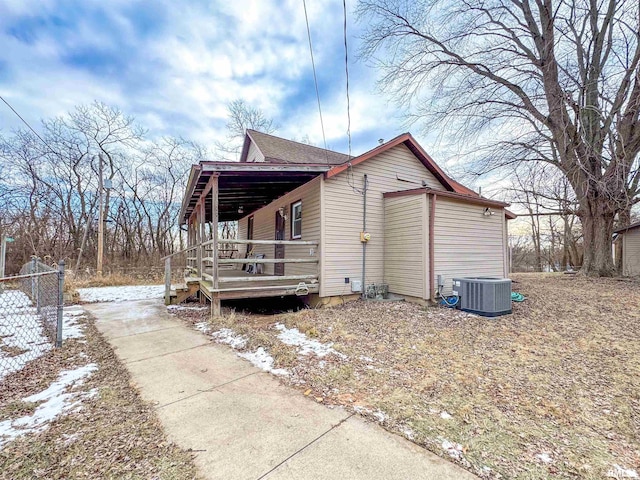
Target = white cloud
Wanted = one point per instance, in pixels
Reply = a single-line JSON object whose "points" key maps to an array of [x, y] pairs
{"points": [[178, 77]]}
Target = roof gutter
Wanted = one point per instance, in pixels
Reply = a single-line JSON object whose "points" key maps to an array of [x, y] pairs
{"points": [[442, 193]]}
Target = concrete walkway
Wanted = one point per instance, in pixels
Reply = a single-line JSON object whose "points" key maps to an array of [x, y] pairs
{"points": [[241, 422]]}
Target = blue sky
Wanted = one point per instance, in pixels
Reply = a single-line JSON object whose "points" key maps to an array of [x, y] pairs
{"points": [[176, 65]]}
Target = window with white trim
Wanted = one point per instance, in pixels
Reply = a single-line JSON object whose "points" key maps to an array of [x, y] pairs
{"points": [[296, 219]]}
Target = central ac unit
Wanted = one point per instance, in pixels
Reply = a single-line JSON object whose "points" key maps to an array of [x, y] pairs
{"points": [[489, 297]]}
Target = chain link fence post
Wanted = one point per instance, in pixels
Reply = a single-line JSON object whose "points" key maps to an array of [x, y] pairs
{"points": [[60, 302], [34, 281]]}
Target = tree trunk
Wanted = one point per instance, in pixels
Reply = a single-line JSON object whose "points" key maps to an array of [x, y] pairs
{"points": [[597, 225]]}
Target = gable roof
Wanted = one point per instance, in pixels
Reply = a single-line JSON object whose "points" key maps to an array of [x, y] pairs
{"points": [[628, 227], [280, 150], [410, 142]]}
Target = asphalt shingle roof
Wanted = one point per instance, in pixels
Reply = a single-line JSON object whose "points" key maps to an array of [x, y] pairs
{"points": [[279, 150]]}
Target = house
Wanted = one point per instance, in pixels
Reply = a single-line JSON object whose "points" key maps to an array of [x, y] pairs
{"points": [[630, 238], [321, 224]]}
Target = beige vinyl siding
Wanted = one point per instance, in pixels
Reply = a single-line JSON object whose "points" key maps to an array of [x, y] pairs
{"points": [[631, 252], [264, 228], [242, 235], [505, 247], [466, 242], [254, 154], [406, 244], [343, 216]]}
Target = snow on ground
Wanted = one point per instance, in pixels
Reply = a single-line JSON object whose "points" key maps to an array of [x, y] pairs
{"points": [[70, 326], [228, 336], [53, 402], [408, 433], [379, 415], [620, 472], [292, 336], [178, 308], [261, 359], [121, 294], [544, 457], [22, 337], [455, 450], [203, 327]]}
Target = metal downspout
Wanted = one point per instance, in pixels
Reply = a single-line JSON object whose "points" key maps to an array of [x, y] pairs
{"points": [[364, 244]]}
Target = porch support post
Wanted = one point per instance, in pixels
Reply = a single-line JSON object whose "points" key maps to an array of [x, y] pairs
{"points": [[215, 299], [198, 237]]}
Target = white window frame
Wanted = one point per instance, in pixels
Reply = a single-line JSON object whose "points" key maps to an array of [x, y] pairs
{"points": [[296, 235]]}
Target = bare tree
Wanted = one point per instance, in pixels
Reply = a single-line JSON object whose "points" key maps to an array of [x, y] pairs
{"points": [[551, 81], [49, 190], [242, 117]]}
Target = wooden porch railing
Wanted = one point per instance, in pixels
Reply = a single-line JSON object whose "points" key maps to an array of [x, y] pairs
{"points": [[199, 257]]}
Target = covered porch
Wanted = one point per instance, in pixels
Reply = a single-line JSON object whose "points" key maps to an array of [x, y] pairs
{"points": [[216, 265]]}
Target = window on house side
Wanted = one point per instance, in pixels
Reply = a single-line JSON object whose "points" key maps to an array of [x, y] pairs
{"points": [[296, 220]]}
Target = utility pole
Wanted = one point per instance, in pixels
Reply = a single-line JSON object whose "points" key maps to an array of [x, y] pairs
{"points": [[100, 219]]}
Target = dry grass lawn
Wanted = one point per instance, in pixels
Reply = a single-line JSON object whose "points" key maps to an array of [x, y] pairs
{"points": [[551, 391], [114, 435]]}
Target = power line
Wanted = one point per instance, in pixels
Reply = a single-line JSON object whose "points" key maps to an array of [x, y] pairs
{"points": [[350, 181], [27, 124], [346, 69], [315, 79]]}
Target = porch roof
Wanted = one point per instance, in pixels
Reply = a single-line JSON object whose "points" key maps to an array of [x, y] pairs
{"points": [[246, 185]]}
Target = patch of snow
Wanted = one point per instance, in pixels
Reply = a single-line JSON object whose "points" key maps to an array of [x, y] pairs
{"points": [[74, 311], [177, 308], [228, 336], [261, 359], [70, 326], [53, 403], [455, 450], [366, 359], [445, 415], [544, 457], [619, 472], [121, 294], [203, 327], [292, 336], [408, 433], [21, 330], [379, 415]]}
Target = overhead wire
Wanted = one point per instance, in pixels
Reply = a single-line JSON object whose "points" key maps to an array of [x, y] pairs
{"points": [[27, 124], [315, 80], [346, 70], [350, 180]]}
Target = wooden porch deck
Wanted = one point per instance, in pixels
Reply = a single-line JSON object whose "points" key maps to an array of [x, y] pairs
{"points": [[250, 285], [219, 279]]}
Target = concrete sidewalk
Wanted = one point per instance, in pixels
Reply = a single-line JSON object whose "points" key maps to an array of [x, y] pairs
{"points": [[241, 422]]}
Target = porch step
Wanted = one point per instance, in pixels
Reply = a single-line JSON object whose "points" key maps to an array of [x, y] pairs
{"points": [[180, 292]]}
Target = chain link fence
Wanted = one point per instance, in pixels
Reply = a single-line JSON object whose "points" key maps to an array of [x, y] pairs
{"points": [[31, 305]]}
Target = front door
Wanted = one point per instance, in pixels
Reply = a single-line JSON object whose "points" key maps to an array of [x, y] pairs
{"points": [[278, 268]]}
